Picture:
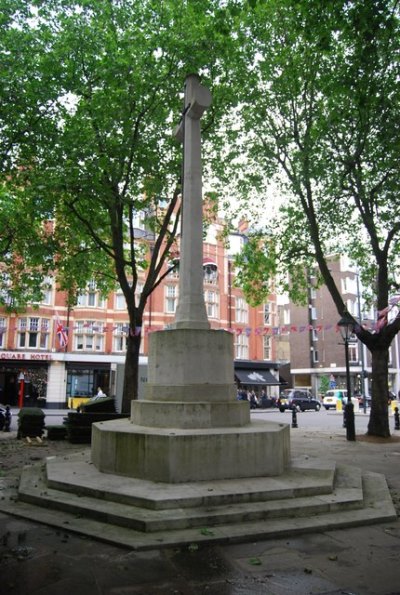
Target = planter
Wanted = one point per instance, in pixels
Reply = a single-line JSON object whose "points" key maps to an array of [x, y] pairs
{"points": [[30, 422], [79, 425]]}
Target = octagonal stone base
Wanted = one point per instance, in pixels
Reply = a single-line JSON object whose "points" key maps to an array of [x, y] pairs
{"points": [[184, 415], [176, 455]]}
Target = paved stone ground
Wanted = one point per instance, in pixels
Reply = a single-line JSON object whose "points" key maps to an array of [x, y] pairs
{"points": [[40, 560]]}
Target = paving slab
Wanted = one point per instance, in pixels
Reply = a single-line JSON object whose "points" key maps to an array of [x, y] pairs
{"points": [[42, 560]]}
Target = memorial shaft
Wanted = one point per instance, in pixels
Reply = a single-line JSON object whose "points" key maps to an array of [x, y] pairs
{"points": [[191, 311]]}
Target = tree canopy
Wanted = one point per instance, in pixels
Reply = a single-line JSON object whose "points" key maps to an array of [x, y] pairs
{"points": [[95, 151], [90, 94], [320, 106]]}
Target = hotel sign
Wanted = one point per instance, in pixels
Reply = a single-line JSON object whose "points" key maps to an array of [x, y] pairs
{"points": [[25, 356]]}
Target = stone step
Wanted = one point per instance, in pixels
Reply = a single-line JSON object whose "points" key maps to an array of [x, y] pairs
{"points": [[377, 508], [346, 494], [76, 474]]}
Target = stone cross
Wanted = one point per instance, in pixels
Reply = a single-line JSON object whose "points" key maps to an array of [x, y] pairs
{"points": [[191, 311]]}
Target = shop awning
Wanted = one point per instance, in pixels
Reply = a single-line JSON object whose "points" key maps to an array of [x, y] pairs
{"points": [[256, 377]]}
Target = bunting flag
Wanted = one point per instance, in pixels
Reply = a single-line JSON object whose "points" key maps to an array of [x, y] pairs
{"points": [[62, 332], [383, 318]]}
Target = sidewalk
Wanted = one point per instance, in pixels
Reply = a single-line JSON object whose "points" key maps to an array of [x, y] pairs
{"points": [[40, 560]]}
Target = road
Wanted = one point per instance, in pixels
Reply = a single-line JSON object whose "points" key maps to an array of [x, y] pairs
{"points": [[321, 420]]}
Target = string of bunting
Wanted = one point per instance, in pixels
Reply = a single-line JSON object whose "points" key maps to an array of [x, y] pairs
{"points": [[382, 320], [239, 330]]}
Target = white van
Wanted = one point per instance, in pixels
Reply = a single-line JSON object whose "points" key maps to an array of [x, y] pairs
{"points": [[331, 396]]}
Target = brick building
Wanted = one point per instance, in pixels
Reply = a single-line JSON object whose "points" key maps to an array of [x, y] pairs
{"points": [[316, 345], [36, 366]]}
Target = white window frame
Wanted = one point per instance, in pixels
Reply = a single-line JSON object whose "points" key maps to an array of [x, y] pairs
{"points": [[210, 274], [47, 288], [211, 301], [267, 347], [33, 333], [119, 300], [120, 337], [353, 352], [91, 297], [3, 332], [241, 310], [242, 346], [138, 292], [171, 298], [89, 336]]}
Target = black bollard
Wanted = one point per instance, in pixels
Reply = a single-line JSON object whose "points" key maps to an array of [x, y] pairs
{"points": [[294, 418], [7, 421], [396, 419], [350, 425]]}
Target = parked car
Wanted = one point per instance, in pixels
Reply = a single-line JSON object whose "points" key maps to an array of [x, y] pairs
{"points": [[392, 397], [332, 396], [301, 399]]}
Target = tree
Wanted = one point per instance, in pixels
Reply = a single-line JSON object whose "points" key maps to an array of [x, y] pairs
{"points": [[320, 104], [104, 155], [27, 93]]}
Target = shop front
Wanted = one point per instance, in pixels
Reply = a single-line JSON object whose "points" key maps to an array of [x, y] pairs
{"points": [[23, 379], [83, 380], [257, 376]]}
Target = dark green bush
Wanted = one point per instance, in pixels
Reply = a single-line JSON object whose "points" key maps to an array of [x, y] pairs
{"points": [[106, 405], [30, 422], [30, 411]]}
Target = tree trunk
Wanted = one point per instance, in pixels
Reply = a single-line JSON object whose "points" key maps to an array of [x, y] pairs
{"points": [[379, 422], [131, 375]]}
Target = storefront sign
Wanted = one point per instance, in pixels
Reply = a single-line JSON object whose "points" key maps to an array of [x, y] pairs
{"points": [[25, 356]]}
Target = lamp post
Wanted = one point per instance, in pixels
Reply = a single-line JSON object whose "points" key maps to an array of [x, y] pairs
{"points": [[364, 391], [346, 325], [21, 380]]}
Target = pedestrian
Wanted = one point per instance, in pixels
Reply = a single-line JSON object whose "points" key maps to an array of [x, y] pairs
{"points": [[100, 394], [253, 400]]}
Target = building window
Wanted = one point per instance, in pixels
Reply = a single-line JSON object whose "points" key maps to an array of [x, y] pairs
{"points": [[286, 315], [88, 336], [119, 300], [171, 298], [84, 383], [352, 307], [353, 353], [267, 313], [33, 333], [47, 291], [315, 356], [210, 273], [267, 347], [241, 313], [242, 347], [138, 292], [211, 300], [121, 336], [173, 265], [3, 330], [91, 298]]}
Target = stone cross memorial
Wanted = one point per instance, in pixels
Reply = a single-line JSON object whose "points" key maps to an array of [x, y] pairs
{"points": [[191, 310], [190, 425], [190, 456]]}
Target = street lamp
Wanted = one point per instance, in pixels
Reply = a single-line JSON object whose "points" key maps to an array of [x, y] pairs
{"points": [[21, 380], [346, 326]]}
